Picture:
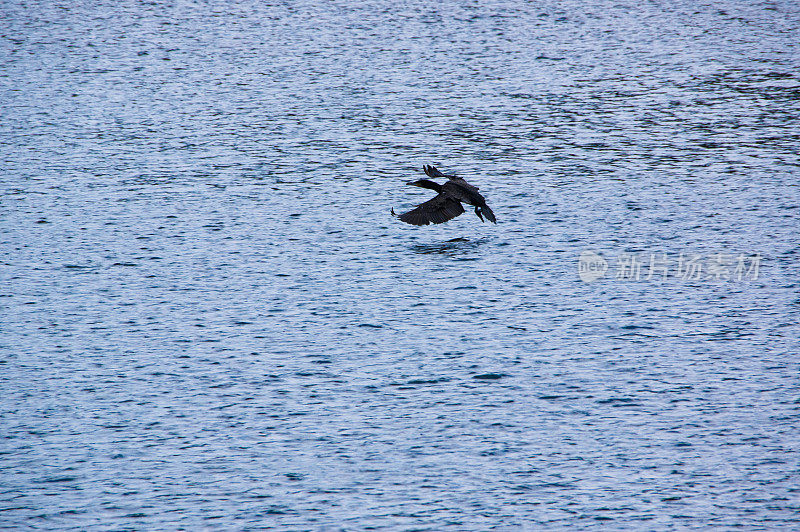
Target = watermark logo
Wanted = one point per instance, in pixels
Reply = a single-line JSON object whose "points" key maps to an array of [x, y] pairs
{"points": [[659, 266], [591, 266]]}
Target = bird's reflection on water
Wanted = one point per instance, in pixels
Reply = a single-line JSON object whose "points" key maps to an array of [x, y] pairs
{"points": [[455, 246]]}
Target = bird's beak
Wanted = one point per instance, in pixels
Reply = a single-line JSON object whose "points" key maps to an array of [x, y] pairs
{"points": [[412, 183]]}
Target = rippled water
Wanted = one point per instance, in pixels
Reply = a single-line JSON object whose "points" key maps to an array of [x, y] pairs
{"points": [[210, 319]]}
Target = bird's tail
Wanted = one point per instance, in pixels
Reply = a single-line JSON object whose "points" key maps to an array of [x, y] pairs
{"points": [[486, 211]]}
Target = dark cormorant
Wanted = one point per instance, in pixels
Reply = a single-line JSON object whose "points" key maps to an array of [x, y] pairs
{"points": [[447, 205]]}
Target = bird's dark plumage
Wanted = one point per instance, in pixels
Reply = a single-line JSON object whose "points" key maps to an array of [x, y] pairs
{"points": [[446, 205]]}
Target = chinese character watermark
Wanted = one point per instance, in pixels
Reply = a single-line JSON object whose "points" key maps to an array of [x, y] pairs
{"points": [[716, 267]]}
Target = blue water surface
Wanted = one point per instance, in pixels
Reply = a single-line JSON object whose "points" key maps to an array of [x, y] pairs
{"points": [[210, 320]]}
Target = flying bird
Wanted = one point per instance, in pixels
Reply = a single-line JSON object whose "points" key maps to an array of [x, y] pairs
{"points": [[446, 205]]}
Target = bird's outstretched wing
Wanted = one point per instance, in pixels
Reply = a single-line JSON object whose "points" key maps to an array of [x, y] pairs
{"points": [[434, 211], [431, 171]]}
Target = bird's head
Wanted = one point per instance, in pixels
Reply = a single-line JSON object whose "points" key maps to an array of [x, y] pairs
{"points": [[426, 183]]}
